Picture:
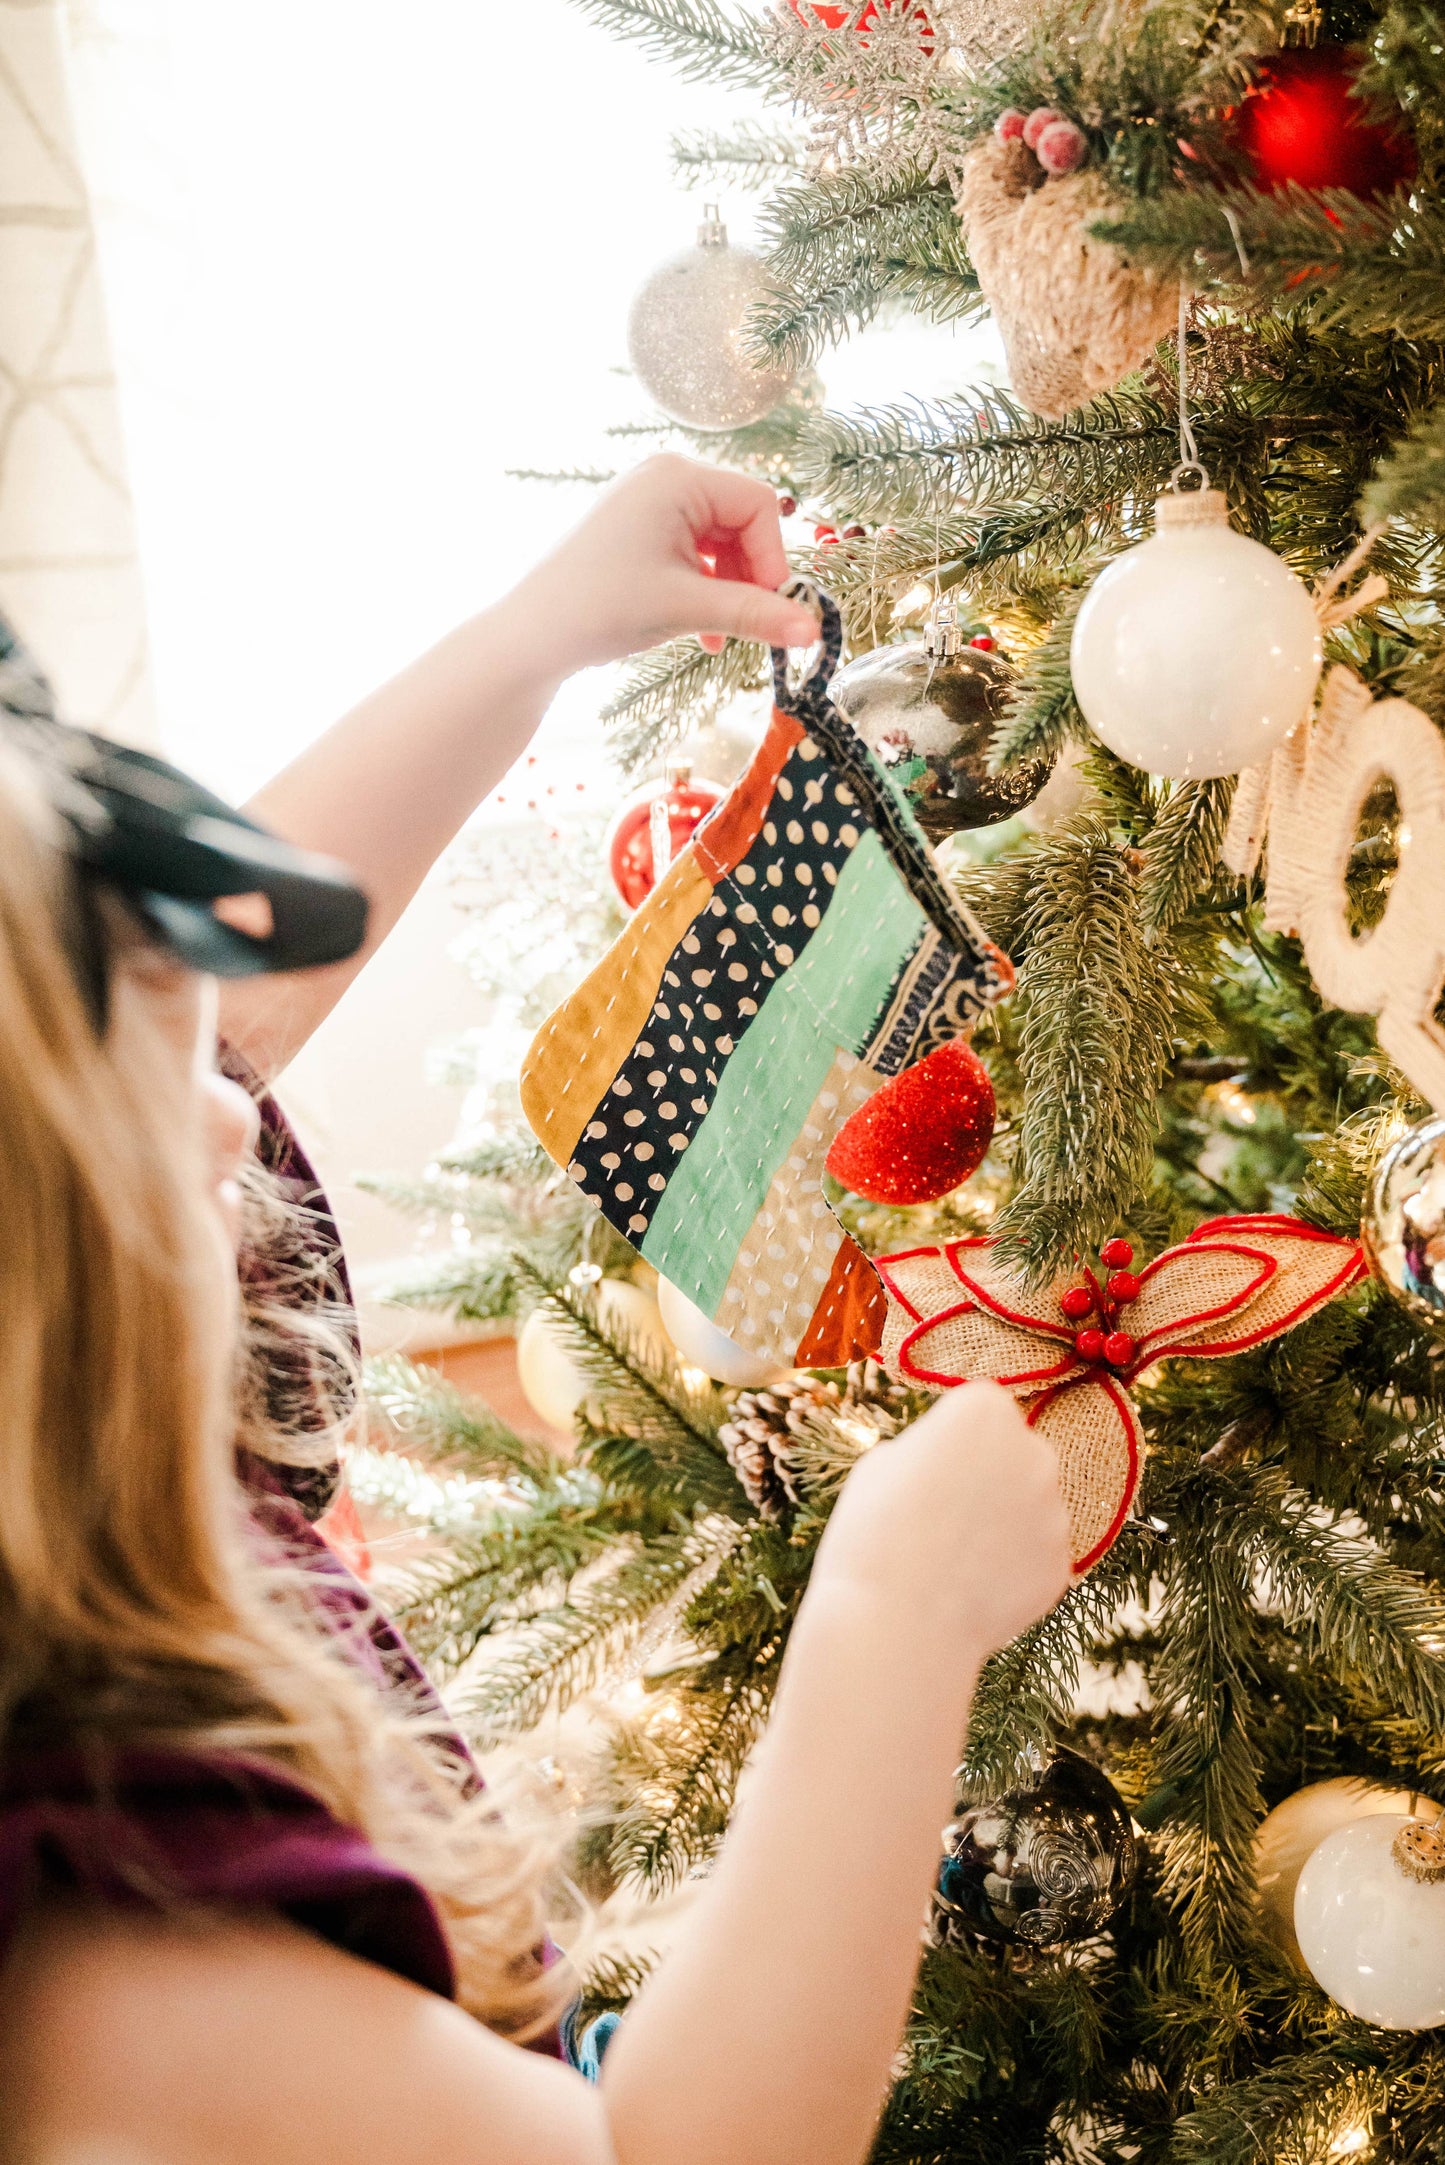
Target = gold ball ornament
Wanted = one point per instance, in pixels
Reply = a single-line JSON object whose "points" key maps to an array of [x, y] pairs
{"points": [[1294, 1830], [1404, 1228], [552, 1381], [928, 710], [687, 335]]}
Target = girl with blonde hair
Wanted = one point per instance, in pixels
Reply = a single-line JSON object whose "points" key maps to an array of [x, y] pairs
{"points": [[253, 1904]]}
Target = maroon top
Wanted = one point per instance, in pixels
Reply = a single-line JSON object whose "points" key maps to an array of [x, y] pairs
{"points": [[161, 1829]]}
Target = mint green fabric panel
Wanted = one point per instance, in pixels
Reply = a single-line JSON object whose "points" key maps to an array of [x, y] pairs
{"points": [[829, 999]]}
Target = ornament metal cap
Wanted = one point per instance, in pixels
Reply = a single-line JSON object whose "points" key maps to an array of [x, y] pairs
{"points": [[1191, 507], [943, 635], [1418, 1851], [712, 233]]}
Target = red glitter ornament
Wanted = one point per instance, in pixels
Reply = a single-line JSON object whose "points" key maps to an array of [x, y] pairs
{"points": [[834, 16], [922, 1134], [1119, 1349], [1299, 123], [1077, 1303], [1089, 1345], [630, 853], [1116, 1254], [1123, 1287]]}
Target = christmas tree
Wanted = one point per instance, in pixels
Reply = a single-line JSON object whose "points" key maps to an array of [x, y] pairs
{"points": [[1210, 239]]}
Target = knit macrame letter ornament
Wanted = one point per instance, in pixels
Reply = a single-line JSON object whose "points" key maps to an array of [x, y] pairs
{"points": [[800, 951]]}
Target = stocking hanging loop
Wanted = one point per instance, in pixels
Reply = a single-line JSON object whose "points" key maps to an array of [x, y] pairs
{"points": [[803, 692]]}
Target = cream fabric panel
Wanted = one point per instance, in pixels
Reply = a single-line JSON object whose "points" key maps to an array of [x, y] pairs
{"points": [[69, 571]]}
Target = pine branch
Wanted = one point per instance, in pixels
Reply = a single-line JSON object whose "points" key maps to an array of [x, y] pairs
{"points": [[705, 40], [983, 452], [840, 244], [1100, 1009], [1365, 267], [750, 155], [647, 1427], [669, 692], [1410, 483], [1181, 852], [1042, 715], [431, 1416], [679, 1773], [569, 1650]]}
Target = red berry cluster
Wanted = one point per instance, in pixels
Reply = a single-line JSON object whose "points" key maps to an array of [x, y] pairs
{"points": [[1058, 144], [1103, 1340]]}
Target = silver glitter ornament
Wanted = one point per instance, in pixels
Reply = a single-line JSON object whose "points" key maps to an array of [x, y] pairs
{"points": [[928, 709], [687, 334], [1404, 1228]]}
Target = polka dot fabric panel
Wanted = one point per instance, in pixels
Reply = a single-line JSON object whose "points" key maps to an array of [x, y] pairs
{"points": [[802, 949]]}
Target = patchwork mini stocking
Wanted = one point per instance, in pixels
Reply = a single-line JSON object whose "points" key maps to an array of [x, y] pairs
{"points": [[802, 950]]}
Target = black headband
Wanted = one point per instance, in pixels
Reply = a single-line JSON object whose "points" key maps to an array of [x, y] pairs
{"points": [[171, 848]]}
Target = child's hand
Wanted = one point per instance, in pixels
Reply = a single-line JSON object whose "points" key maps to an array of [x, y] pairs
{"points": [[961, 1512], [673, 547]]}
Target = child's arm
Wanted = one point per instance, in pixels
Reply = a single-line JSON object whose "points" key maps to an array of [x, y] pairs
{"points": [[768, 2034], [388, 787]]}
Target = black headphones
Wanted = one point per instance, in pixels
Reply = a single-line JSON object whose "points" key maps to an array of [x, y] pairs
{"points": [[171, 849]]}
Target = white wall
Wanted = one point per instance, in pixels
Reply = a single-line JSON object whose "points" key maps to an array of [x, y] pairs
{"points": [[362, 256]]}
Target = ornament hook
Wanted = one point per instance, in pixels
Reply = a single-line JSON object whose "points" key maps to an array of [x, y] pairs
{"points": [[812, 672], [1189, 459]]}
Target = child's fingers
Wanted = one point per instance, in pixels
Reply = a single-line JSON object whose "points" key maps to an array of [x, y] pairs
{"points": [[737, 611], [736, 520]]}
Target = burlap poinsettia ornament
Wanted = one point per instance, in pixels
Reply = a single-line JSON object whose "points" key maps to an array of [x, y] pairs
{"points": [[1070, 1351], [1074, 314]]}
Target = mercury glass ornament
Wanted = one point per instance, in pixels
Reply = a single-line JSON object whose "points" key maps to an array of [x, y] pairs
{"points": [[687, 334], [1369, 1911], [1404, 1228], [1195, 653], [928, 710], [1042, 1866]]}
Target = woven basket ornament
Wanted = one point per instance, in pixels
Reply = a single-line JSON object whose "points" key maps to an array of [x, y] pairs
{"points": [[801, 951], [1074, 314], [956, 1314]]}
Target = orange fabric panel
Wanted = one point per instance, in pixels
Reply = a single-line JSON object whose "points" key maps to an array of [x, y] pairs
{"points": [[848, 1322], [724, 840]]}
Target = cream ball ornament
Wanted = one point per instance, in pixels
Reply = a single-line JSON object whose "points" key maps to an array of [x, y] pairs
{"points": [[700, 1342], [1195, 653], [1293, 1831], [687, 335], [553, 1382], [1370, 1916]]}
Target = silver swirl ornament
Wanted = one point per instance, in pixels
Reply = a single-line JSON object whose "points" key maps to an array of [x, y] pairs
{"points": [[1041, 1867]]}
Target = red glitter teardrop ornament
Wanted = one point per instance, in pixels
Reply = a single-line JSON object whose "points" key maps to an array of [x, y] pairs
{"points": [[1299, 123], [630, 852], [922, 1134], [834, 16]]}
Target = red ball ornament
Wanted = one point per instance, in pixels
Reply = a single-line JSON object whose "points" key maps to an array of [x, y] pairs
{"points": [[825, 533], [1299, 123], [683, 803], [835, 17], [854, 533], [922, 1134], [1116, 1254], [1123, 1287], [1090, 1344], [1077, 1303], [984, 641], [787, 505], [1118, 1349]]}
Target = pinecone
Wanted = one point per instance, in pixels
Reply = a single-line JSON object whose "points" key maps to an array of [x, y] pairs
{"points": [[761, 1439]]}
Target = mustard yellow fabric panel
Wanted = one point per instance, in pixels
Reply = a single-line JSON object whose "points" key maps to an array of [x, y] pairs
{"points": [[579, 1049]]}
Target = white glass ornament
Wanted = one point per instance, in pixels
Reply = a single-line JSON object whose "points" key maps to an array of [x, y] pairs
{"points": [[1369, 1912], [687, 334], [700, 1342], [553, 1383], [1195, 653]]}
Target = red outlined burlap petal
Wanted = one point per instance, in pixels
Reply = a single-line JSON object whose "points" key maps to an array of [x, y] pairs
{"points": [[1309, 1268], [1095, 1429], [950, 1320]]}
